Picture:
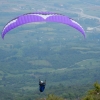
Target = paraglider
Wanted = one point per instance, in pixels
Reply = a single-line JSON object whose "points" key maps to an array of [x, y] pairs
{"points": [[41, 17], [42, 85]]}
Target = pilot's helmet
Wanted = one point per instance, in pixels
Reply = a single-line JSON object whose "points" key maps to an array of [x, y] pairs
{"points": [[41, 81]]}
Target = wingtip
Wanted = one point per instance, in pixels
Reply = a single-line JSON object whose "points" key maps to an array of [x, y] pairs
{"points": [[84, 35], [2, 36]]}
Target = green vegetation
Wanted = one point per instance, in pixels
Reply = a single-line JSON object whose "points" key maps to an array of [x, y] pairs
{"points": [[51, 51], [93, 94], [59, 92], [53, 97]]}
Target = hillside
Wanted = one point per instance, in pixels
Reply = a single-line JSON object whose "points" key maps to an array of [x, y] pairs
{"points": [[51, 51]]}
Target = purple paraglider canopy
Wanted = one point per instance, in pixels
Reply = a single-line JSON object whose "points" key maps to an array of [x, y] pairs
{"points": [[41, 17]]}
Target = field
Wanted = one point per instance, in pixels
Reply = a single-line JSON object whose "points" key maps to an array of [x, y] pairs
{"points": [[51, 51]]}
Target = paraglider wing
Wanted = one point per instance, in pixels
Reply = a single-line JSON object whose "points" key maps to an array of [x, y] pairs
{"points": [[41, 17], [27, 18], [66, 20]]}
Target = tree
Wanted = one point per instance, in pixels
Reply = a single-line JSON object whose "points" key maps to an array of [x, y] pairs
{"points": [[93, 94], [53, 97]]}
